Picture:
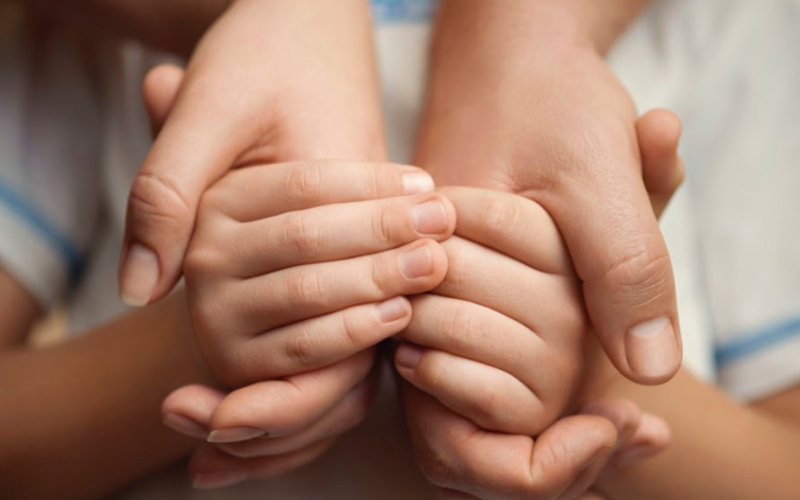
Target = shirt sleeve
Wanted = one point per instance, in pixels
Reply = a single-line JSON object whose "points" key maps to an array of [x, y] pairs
{"points": [[49, 141]]}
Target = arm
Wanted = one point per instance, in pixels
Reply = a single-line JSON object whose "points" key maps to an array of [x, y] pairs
{"points": [[82, 418], [725, 449], [520, 99], [173, 25], [18, 311]]}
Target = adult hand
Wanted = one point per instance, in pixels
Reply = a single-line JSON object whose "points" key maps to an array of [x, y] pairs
{"points": [[521, 100], [246, 99]]}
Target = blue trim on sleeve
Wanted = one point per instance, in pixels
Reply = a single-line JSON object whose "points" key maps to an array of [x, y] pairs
{"points": [[756, 341], [57, 240], [403, 11]]}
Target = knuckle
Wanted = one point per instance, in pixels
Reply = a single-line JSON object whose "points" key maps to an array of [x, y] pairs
{"points": [[302, 349], [501, 214], [462, 328], [303, 235], [202, 260], [458, 268], [383, 226], [305, 290], [353, 331], [641, 271], [380, 277], [156, 200], [305, 182]]}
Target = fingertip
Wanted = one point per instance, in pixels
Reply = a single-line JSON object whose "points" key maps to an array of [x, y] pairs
{"points": [[393, 310], [660, 128], [407, 356], [624, 414], [139, 275], [653, 351]]}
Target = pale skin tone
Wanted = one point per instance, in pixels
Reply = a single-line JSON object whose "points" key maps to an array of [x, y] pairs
{"points": [[156, 171], [580, 149], [521, 88], [617, 20]]}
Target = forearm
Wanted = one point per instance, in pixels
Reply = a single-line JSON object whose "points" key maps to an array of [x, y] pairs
{"points": [[720, 448], [520, 24], [18, 311], [495, 65], [172, 25], [83, 418]]}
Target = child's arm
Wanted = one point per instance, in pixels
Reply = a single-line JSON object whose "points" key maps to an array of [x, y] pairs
{"points": [[720, 448], [80, 419], [18, 311], [522, 86]]}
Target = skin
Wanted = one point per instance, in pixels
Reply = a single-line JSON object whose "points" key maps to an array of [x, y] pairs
{"points": [[758, 463], [244, 107], [466, 404], [45, 421], [520, 99], [552, 68], [171, 25]]}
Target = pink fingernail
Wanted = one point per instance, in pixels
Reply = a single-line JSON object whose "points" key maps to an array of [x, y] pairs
{"points": [[185, 426], [408, 356], [392, 310], [219, 479], [416, 263], [418, 182], [652, 348], [429, 217], [139, 276], [234, 435]]}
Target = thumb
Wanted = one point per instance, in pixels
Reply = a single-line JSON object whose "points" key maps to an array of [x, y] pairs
{"points": [[192, 150], [620, 254]]}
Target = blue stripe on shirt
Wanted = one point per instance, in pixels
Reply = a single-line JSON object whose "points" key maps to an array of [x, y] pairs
{"points": [[403, 11], [40, 224], [756, 341]]}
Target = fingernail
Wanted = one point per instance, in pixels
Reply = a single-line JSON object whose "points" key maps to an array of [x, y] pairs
{"points": [[392, 310], [139, 275], [429, 217], [416, 263], [185, 426], [418, 182], [652, 348], [408, 355], [633, 455], [235, 434], [219, 479]]}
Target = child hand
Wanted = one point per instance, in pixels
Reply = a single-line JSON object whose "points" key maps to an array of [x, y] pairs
{"points": [[460, 456], [295, 271], [497, 358], [296, 266]]}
